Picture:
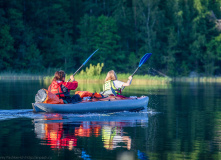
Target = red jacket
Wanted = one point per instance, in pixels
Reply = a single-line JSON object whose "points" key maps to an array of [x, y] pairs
{"points": [[62, 89]]}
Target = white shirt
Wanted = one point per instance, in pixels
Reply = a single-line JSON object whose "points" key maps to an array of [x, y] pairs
{"points": [[118, 84]]}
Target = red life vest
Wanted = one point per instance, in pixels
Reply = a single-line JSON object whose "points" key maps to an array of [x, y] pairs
{"points": [[62, 89]]}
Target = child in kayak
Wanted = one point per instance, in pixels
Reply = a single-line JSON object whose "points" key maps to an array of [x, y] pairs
{"points": [[62, 89], [113, 85]]}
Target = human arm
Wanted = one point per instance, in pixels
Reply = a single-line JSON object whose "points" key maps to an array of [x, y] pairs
{"points": [[72, 78], [128, 82], [71, 85]]}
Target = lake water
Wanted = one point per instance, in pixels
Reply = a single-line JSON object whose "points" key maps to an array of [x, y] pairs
{"points": [[183, 121]]}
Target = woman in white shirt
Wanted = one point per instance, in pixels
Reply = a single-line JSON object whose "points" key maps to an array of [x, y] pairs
{"points": [[111, 83]]}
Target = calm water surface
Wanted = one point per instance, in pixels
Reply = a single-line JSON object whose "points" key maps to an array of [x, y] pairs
{"points": [[183, 121]]}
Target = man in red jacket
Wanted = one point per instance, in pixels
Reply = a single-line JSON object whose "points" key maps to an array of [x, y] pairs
{"points": [[62, 89]]}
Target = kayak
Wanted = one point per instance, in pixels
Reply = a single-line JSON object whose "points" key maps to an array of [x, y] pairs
{"points": [[109, 104]]}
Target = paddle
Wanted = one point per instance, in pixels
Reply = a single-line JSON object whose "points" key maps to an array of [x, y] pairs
{"points": [[142, 61], [84, 63]]}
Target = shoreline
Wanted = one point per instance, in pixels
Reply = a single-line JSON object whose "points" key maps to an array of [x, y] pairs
{"points": [[139, 79], [145, 80]]}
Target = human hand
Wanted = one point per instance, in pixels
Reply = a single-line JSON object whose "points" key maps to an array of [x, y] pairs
{"points": [[72, 78], [130, 78]]}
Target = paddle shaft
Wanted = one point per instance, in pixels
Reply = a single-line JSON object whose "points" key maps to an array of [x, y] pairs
{"points": [[84, 63], [160, 73], [135, 71], [132, 76], [76, 71]]}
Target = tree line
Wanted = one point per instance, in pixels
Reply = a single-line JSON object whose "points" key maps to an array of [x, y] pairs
{"points": [[182, 35]]}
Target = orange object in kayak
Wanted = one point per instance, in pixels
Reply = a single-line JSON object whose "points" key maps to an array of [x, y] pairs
{"points": [[45, 96], [84, 93], [97, 95], [52, 98], [88, 94]]}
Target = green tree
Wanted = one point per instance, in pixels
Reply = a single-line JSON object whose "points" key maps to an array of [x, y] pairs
{"points": [[17, 30], [181, 34], [202, 28], [126, 20], [85, 44], [100, 33], [132, 63], [66, 49], [6, 47], [212, 57], [147, 15], [106, 39], [172, 37], [33, 59], [171, 51], [58, 32]]}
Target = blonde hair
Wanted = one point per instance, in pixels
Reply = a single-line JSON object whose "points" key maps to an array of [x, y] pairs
{"points": [[111, 75]]}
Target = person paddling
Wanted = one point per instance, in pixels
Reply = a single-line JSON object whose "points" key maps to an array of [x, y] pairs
{"points": [[62, 89], [113, 85]]}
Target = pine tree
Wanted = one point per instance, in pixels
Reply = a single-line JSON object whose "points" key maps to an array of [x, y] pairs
{"points": [[106, 39], [6, 48]]}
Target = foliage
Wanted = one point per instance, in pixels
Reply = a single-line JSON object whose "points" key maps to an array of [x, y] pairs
{"points": [[44, 35], [92, 70], [6, 47]]}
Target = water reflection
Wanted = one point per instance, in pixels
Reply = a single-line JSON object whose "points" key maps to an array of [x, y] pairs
{"points": [[55, 134], [61, 131], [187, 125], [113, 136]]}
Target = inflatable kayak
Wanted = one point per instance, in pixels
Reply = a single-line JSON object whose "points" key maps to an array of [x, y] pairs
{"points": [[109, 104]]}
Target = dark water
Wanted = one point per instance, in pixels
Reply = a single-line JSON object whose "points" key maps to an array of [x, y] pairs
{"points": [[183, 122]]}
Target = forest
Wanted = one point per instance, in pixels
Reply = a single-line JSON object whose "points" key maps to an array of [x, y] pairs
{"points": [[184, 36]]}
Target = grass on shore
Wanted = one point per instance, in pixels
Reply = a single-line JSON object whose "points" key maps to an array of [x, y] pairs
{"points": [[137, 79], [198, 79]]}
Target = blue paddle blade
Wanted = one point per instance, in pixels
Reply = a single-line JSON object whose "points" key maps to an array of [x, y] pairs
{"points": [[144, 59], [90, 57]]}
